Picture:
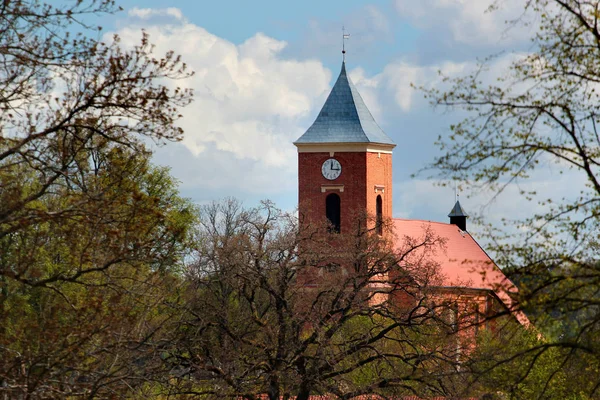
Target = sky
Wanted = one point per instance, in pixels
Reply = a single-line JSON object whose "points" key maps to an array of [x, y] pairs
{"points": [[263, 70]]}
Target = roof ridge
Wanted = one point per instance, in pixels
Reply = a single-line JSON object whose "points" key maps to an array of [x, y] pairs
{"points": [[422, 220]]}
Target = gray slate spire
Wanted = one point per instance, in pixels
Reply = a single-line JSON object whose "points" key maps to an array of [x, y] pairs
{"points": [[344, 118]]}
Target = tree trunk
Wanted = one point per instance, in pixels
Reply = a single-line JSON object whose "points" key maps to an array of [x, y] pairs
{"points": [[274, 388], [303, 392]]}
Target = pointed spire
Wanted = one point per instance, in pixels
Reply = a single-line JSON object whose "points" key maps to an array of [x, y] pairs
{"points": [[344, 118], [458, 217]]}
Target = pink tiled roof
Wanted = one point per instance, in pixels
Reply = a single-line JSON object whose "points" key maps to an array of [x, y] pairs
{"points": [[462, 262]]}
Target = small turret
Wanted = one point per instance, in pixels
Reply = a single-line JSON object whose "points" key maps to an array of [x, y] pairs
{"points": [[458, 217]]}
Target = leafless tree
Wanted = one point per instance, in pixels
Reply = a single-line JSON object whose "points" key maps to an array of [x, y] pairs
{"points": [[282, 309]]}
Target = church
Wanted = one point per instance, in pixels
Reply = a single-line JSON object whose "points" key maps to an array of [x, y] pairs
{"points": [[345, 167]]}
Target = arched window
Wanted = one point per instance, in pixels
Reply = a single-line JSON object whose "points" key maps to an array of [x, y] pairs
{"points": [[379, 215], [332, 211]]}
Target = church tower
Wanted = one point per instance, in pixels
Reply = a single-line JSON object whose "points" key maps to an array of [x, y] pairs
{"points": [[344, 162]]}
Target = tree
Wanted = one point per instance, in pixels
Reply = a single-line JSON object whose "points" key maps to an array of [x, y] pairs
{"points": [[90, 317], [89, 230], [66, 102], [542, 113], [513, 365], [282, 309]]}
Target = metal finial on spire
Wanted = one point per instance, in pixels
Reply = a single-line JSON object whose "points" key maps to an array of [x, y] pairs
{"points": [[344, 37], [455, 192]]}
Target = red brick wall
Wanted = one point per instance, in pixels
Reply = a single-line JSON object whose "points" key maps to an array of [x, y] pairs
{"points": [[379, 172], [361, 171]]}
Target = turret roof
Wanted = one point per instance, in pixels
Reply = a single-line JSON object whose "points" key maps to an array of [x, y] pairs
{"points": [[344, 118], [457, 211]]}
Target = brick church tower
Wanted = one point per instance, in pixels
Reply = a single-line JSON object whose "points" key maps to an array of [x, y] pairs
{"points": [[345, 169], [344, 162]]}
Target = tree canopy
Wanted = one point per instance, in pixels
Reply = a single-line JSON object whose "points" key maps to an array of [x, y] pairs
{"points": [[90, 231], [542, 114], [283, 309], [112, 285]]}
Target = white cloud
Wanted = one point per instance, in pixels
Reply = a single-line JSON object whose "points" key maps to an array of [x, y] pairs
{"points": [[469, 21], [400, 80], [425, 197], [367, 87], [147, 13], [377, 19], [249, 105]]}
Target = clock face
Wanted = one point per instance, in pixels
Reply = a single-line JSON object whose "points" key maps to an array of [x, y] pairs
{"points": [[331, 169]]}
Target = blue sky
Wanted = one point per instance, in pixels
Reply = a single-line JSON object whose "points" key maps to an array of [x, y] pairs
{"points": [[264, 69]]}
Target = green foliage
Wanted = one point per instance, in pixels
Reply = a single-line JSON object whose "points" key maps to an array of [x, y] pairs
{"points": [[519, 364], [92, 237], [88, 293]]}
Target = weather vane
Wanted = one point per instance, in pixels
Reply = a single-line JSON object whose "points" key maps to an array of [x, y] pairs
{"points": [[345, 36]]}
